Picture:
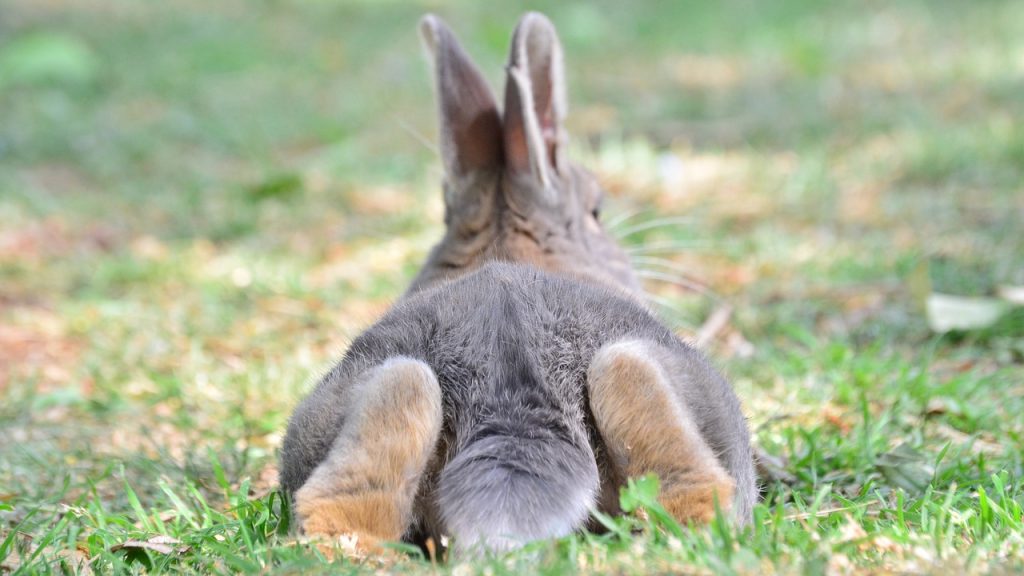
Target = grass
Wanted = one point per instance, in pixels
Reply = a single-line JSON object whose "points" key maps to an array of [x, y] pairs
{"points": [[200, 205]]}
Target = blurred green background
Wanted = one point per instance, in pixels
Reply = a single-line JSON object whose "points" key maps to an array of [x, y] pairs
{"points": [[201, 203]]}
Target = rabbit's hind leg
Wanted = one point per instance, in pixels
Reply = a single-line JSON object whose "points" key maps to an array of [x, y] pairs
{"points": [[367, 484], [646, 428]]}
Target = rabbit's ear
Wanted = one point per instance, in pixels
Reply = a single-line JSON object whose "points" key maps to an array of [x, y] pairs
{"points": [[535, 102], [470, 123]]}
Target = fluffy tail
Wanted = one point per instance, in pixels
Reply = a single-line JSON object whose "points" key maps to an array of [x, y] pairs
{"points": [[518, 480], [520, 474]]}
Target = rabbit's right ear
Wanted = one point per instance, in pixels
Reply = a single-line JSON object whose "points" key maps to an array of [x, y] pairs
{"points": [[535, 101], [470, 126]]}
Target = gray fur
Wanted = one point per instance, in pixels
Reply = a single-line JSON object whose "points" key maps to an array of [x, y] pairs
{"points": [[488, 398], [508, 312]]}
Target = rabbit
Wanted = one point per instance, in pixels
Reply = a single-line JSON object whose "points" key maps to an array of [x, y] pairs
{"points": [[521, 379]]}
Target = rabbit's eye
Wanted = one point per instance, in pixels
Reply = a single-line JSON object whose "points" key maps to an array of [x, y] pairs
{"points": [[596, 213]]}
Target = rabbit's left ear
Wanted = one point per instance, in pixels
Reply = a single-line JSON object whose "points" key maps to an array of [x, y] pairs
{"points": [[535, 101], [470, 123]]}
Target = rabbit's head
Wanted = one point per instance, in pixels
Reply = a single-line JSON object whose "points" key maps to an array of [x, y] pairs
{"points": [[510, 192]]}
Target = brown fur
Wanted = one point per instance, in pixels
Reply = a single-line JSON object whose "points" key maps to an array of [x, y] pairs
{"points": [[646, 429], [483, 230], [368, 482], [373, 516]]}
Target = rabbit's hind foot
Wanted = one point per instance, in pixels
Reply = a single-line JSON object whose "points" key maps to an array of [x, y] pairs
{"points": [[366, 485], [647, 428]]}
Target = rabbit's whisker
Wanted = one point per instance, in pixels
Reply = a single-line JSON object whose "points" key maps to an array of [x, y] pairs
{"points": [[679, 281], [619, 219], [651, 224], [408, 128], [664, 263], [669, 266], [666, 247]]}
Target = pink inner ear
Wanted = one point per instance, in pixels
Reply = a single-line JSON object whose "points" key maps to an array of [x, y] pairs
{"points": [[517, 153], [533, 130], [549, 132], [542, 53]]}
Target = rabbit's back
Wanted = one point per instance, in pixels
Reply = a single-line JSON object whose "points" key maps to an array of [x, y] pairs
{"points": [[556, 323]]}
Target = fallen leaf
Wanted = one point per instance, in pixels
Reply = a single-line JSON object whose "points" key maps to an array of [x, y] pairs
{"points": [[1012, 294], [160, 544], [947, 312]]}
